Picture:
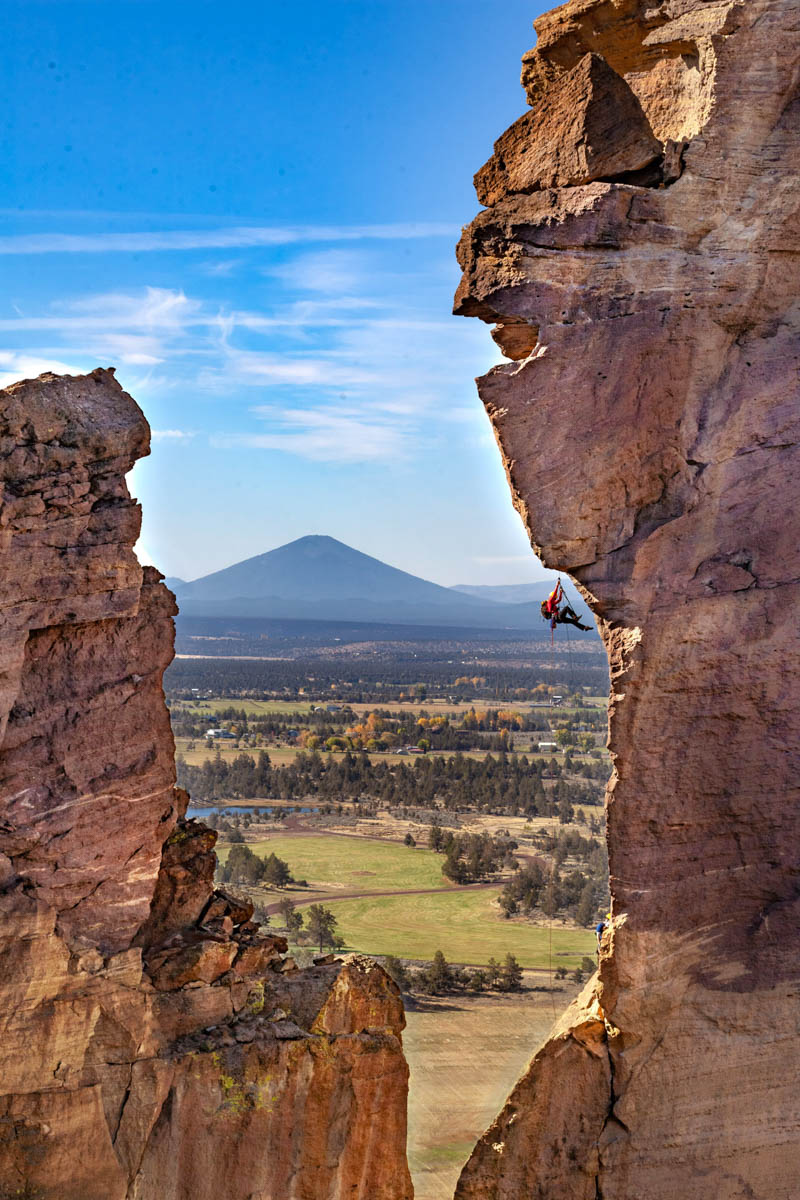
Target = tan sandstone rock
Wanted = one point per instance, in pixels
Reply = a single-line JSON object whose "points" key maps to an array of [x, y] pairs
{"points": [[138, 1056], [650, 435], [588, 125]]}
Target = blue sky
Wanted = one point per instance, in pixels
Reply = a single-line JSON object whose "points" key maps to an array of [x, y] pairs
{"points": [[250, 209]]}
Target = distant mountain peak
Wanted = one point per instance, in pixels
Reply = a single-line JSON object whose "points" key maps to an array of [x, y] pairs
{"points": [[318, 577]]}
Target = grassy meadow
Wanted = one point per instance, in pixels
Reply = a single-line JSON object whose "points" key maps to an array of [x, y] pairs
{"points": [[466, 925], [350, 864]]}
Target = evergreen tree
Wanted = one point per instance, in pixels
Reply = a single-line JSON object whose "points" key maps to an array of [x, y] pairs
{"points": [[321, 925], [396, 971], [586, 905], [511, 976], [439, 974]]}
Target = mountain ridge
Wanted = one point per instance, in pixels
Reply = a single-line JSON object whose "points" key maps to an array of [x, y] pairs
{"points": [[318, 577]]}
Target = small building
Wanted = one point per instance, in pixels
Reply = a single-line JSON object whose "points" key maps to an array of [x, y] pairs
{"points": [[221, 733], [548, 747]]}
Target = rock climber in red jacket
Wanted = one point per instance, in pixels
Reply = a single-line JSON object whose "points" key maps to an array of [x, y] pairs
{"points": [[560, 614]]}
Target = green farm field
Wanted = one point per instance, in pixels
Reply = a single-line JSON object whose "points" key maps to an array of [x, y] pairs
{"points": [[352, 864], [465, 925], [253, 708]]}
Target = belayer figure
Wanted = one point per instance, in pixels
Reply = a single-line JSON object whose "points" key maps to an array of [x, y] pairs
{"points": [[557, 613]]}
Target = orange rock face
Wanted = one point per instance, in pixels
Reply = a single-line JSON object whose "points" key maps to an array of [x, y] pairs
{"points": [[650, 427], [151, 1047]]}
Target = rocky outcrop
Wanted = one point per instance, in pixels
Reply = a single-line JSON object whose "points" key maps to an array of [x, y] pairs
{"points": [[650, 428], [154, 1045]]}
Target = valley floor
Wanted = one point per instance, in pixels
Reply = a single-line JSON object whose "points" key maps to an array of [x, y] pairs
{"points": [[465, 1055]]}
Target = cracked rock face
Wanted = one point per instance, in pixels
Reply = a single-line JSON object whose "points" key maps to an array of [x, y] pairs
{"points": [[152, 1044], [649, 423]]}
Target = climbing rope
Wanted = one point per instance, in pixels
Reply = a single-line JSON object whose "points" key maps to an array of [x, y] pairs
{"points": [[571, 674], [550, 945], [570, 670]]}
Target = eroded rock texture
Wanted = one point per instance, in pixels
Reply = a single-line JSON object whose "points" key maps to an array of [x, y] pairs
{"points": [[649, 422], [153, 1045]]}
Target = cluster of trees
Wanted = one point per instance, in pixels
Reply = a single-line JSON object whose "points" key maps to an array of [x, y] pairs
{"points": [[396, 670], [318, 928], [244, 866], [384, 730], [381, 730], [570, 843], [469, 857], [587, 967], [498, 784], [553, 889], [439, 977]]}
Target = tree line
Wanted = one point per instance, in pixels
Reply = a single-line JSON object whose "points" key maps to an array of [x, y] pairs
{"points": [[383, 729], [506, 783], [388, 675], [439, 977]]}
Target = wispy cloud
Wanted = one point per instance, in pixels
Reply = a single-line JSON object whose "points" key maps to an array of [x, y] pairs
{"points": [[346, 362], [222, 269], [216, 239], [335, 272], [27, 366], [257, 369], [175, 435], [324, 435], [133, 328]]}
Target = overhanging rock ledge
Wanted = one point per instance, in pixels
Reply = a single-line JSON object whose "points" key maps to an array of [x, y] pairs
{"points": [[650, 427]]}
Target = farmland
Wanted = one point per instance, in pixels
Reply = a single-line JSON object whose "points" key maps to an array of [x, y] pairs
{"points": [[465, 924], [335, 863], [465, 1056], [422, 913]]}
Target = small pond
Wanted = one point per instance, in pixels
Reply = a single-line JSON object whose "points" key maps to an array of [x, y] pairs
{"points": [[205, 810]]}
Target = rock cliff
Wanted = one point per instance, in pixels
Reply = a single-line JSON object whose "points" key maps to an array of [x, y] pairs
{"points": [[153, 1045], [638, 261]]}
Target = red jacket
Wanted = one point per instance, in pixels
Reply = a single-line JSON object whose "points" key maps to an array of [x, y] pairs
{"points": [[554, 599]]}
